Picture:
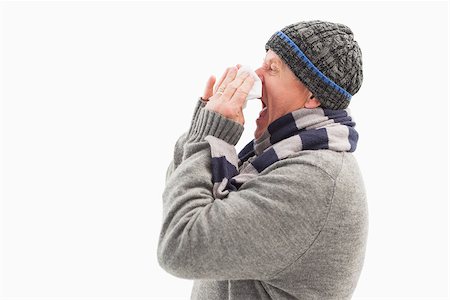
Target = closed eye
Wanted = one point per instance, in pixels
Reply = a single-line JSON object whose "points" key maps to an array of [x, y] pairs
{"points": [[268, 68]]}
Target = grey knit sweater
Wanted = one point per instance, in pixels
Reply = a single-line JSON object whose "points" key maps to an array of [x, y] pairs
{"points": [[298, 231]]}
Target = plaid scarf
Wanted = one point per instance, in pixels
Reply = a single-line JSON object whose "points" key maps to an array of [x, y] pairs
{"points": [[302, 129]]}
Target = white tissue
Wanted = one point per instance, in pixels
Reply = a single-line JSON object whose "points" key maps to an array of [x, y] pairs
{"points": [[256, 91]]}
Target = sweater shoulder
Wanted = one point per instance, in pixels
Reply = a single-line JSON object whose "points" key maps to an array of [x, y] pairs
{"points": [[328, 161]]}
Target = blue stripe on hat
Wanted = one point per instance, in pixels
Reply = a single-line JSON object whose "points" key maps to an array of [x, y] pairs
{"points": [[311, 66], [314, 139], [264, 160]]}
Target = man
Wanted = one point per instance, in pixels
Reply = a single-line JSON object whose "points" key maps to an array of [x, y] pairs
{"points": [[286, 218]]}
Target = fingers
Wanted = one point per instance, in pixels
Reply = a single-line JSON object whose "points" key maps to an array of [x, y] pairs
{"points": [[242, 91], [221, 80], [239, 87], [228, 79], [209, 88]]}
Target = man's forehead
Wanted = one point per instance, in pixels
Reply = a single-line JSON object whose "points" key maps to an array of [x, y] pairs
{"points": [[271, 57]]}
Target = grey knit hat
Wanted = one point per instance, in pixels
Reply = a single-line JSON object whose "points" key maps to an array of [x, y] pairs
{"points": [[324, 56]]}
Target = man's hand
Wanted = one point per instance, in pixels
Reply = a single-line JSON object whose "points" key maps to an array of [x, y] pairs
{"points": [[228, 97], [210, 89]]}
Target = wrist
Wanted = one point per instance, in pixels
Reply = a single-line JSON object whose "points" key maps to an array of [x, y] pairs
{"points": [[209, 122]]}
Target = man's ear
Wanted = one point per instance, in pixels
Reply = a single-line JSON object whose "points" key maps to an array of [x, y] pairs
{"points": [[312, 102]]}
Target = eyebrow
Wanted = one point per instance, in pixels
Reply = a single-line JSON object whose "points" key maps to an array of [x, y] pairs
{"points": [[273, 59]]}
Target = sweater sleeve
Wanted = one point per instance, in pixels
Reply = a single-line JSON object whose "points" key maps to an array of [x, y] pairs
{"points": [[254, 232]]}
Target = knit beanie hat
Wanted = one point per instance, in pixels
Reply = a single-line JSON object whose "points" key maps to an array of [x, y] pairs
{"points": [[324, 56]]}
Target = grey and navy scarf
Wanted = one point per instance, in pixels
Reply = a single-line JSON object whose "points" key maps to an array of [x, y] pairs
{"points": [[302, 129]]}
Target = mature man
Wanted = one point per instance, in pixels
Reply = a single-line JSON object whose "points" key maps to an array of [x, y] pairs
{"points": [[286, 218]]}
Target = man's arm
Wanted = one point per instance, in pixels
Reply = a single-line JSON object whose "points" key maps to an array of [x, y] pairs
{"points": [[179, 145], [254, 232]]}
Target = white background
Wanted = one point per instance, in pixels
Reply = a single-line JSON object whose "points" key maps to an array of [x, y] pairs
{"points": [[95, 94]]}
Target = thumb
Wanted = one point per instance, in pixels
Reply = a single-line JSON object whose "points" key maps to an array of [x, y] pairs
{"points": [[209, 88]]}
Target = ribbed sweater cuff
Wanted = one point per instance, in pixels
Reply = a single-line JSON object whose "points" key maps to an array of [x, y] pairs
{"points": [[200, 104], [207, 122]]}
